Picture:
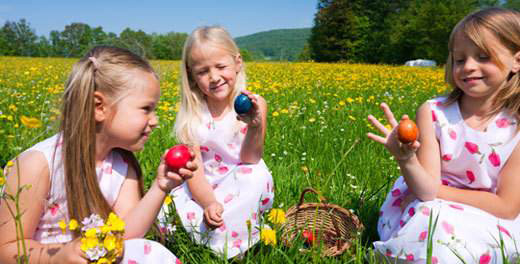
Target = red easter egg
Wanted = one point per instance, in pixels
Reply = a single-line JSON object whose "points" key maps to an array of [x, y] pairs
{"points": [[178, 156], [309, 237]]}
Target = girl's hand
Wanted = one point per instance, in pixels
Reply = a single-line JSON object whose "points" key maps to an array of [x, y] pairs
{"points": [[70, 253], [168, 179], [213, 215], [400, 151], [254, 117]]}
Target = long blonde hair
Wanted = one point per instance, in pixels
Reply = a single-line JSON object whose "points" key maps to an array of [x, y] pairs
{"points": [[505, 25], [192, 98], [104, 69]]}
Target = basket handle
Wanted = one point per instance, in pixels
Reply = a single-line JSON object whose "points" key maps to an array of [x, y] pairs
{"points": [[306, 190]]}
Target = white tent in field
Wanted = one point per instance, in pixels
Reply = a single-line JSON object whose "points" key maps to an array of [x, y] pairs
{"points": [[421, 63]]}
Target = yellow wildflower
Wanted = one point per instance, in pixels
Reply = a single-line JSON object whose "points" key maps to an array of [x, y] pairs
{"points": [[105, 229], [168, 200], [103, 261], [10, 163], [305, 169], [350, 100], [276, 216], [352, 118], [115, 222], [110, 242], [275, 114], [284, 111], [91, 232], [13, 107], [388, 126], [342, 103], [89, 242], [312, 119], [268, 236], [73, 224], [63, 226], [2, 181], [31, 122]]}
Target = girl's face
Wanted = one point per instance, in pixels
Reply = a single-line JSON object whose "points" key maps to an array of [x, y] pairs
{"points": [[214, 70], [131, 120], [473, 70]]}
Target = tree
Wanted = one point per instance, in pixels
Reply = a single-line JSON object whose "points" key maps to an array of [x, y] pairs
{"points": [[19, 38], [338, 30], [136, 41], [422, 30], [512, 4], [76, 39]]}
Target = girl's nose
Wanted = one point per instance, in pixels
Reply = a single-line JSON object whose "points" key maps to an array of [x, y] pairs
{"points": [[213, 76], [154, 120], [470, 64]]}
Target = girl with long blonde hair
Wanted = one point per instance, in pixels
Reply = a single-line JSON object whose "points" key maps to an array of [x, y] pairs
{"points": [[89, 168], [462, 172], [232, 185]]}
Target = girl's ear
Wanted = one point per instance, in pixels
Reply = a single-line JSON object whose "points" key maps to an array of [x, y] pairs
{"points": [[238, 62], [100, 106]]}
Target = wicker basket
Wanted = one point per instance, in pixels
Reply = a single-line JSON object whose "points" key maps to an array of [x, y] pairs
{"points": [[333, 226]]}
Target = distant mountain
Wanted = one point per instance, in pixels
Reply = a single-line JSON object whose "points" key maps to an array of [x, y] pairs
{"points": [[279, 44]]}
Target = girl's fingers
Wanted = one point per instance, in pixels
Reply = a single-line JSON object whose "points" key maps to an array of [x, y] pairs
{"points": [[389, 115], [378, 125], [376, 138]]}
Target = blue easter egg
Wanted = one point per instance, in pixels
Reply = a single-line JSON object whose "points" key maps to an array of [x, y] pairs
{"points": [[242, 104]]}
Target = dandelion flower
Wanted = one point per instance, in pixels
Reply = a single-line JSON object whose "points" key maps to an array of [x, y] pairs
{"points": [[168, 200], [275, 114], [276, 216], [73, 224], [2, 181], [268, 236], [31, 122], [63, 226]]}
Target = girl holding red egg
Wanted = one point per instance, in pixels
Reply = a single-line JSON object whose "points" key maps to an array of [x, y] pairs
{"points": [[233, 185], [462, 171], [88, 168]]}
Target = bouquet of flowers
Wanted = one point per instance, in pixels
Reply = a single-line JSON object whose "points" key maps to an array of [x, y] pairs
{"points": [[101, 241]]}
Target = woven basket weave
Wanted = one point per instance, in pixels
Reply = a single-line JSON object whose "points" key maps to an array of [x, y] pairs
{"points": [[333, 226]]}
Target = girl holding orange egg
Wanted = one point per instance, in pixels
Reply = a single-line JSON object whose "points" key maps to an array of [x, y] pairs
{"points": [[462, 171]]}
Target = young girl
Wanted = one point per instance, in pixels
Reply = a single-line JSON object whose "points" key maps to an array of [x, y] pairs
{"points": [[232, 186], [88, 167], [465, 169]]}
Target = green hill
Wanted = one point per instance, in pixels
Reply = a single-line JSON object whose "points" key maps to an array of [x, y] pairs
{"points": [[280, 44]]}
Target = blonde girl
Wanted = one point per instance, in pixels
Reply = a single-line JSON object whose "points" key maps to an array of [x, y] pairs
{"points": [[463, 170], [221, 205], [88, 167]]}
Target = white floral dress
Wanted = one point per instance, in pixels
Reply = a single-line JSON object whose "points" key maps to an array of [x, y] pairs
{"points": [[245, 191], [111, 176], [470, 159]]}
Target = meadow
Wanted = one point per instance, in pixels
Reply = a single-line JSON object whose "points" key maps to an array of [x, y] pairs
{"points": [[317, 113]]}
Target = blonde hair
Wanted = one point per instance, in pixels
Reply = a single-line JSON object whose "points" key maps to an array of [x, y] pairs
{"points": [[104, 69], [192, 98], [505, 25]]}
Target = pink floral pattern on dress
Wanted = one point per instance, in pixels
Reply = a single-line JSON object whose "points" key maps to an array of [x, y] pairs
{"points": [[471, 176], [446, 157], [503, 122], [472, 147], [485, 258], [494, 159], [147, 248]]}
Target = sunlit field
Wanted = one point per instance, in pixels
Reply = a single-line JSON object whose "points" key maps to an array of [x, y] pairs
{"points": [[317, 112]]}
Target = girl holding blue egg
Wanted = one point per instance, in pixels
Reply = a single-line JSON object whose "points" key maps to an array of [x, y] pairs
{"points": [[220, 206]]}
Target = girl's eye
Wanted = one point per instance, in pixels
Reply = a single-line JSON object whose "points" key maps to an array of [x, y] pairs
{"points": [[483, 57], [459, 61], [221, 67]]}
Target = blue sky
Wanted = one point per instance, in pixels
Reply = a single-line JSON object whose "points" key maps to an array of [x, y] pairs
{"points": [[161, 16]]}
